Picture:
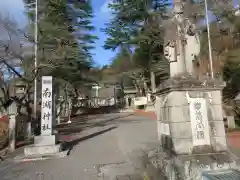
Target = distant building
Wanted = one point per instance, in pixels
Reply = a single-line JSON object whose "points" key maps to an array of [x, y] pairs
{"points": [[106, 91]]}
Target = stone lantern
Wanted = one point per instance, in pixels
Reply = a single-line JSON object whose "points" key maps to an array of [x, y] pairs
{"points": [[20, 89]]}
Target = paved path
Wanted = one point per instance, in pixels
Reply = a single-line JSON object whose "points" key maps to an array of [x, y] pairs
{"points": [[99, 158], [102, 157]]}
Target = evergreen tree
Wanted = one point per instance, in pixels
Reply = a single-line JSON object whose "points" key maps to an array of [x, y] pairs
{"points": [[64, 37], [137, 24]]}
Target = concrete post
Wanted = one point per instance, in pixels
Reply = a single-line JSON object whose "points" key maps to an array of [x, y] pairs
{"points": [[29, 130], [29, 123], [58, 113], [69, 111], [153, 82], [12, 113]]}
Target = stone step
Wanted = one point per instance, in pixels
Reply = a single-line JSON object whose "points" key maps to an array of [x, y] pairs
{"points": [[38, 157], [34, 150]]}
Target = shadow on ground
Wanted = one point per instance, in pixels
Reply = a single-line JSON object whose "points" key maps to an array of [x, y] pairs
{"points": [[98, 110], [83, 121], [68, 145]]}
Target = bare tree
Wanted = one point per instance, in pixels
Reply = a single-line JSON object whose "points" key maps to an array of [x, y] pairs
{"points": [[15, 67]]}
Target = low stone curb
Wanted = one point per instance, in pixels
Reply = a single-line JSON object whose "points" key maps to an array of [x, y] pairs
{"points": [[72, 120], [106, 119]]}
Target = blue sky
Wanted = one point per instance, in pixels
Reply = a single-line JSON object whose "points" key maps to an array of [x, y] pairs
{"points": [[15, 9], [102, 16]]}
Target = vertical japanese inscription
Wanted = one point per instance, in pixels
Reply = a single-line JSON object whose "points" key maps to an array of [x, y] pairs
{"points": [[199, 119], [199, 122], [46, 106]]}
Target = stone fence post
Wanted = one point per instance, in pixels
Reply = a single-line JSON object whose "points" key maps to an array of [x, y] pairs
{"points": [[12, 113]]}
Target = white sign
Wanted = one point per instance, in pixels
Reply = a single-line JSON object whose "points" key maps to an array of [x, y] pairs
{"points": [[164, 129], [46, 109], [139, 101], [199, 122]]}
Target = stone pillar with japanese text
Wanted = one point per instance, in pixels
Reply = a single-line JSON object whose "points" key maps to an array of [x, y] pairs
{"points": [[46, 142], [46, 108], [189, 113]]}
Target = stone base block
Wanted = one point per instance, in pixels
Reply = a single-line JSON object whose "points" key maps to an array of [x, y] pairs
{"points": [[45, 140], [183, 167], [42, 150]]}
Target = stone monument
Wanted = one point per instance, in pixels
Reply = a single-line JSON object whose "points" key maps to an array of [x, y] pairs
{"points": [[189, 110], [45, 144]]}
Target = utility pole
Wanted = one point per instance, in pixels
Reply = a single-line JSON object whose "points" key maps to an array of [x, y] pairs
{"points": [[179, 48], [209, 40], [35, 59]]}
